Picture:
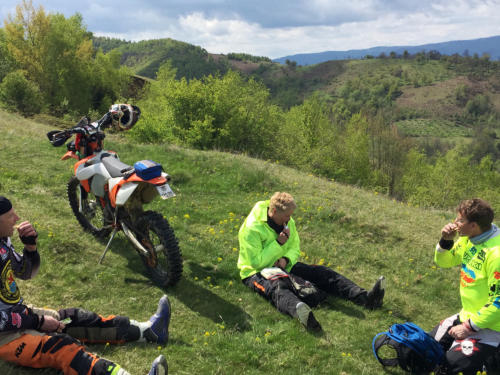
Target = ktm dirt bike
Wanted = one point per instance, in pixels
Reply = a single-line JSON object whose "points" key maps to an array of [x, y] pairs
{"points": [[107, 196]]}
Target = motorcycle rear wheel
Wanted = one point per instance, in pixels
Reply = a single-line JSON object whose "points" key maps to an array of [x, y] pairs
{"points": [[164, 263], [91, 214]]}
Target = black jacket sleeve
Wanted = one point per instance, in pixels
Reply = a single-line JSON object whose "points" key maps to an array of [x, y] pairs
{"points": [[26, 266], [19, 317]]}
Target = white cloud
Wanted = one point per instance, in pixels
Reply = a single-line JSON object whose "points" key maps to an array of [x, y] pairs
{"points": [[278, 28]]}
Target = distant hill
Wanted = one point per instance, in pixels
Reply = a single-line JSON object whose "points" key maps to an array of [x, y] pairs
{"points": [[489, 45], [145, 57]]}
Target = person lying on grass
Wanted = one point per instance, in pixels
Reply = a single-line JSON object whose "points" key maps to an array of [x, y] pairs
{"points": [[269, 249], [44, 338]]}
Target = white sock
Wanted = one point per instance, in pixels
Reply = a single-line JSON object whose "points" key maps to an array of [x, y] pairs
{"points": [[142, 327]]}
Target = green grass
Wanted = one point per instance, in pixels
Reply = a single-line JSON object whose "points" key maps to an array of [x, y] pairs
{"points": [[218, 325]]}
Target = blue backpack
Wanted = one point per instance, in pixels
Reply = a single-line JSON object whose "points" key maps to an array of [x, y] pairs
{"points": [[416, 350]]}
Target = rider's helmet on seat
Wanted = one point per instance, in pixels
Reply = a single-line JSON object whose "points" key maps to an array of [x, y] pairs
{"points": [[124, 116]]}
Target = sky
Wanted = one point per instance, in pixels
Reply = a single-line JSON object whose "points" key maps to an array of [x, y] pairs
{"points": [[277, 28]]}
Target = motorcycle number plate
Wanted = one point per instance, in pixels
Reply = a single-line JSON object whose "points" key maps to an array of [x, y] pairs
{"points": [[165, 191]]}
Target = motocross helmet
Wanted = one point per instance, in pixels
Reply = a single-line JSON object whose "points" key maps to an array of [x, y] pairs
{"points": [[124, 116]]}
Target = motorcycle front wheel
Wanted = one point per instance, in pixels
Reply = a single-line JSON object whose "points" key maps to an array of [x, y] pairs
{"points": [[88, 209], [164, 262]]}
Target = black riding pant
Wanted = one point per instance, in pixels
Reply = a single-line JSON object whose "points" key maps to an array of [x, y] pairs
{"points": [[281, 293]]}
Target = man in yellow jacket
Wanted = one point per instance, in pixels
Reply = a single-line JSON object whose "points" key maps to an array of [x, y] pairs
{"points": [[269, 250], [472, 336]]}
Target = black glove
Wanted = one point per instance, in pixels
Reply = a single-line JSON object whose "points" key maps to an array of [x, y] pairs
{"points": [[29, 240]]}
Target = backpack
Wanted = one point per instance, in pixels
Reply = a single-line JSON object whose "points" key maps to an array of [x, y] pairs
{"points": [[417, 351]]}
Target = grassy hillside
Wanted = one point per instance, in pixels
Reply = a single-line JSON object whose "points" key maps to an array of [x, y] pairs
{"points": [[146, 57], [218, 326]]}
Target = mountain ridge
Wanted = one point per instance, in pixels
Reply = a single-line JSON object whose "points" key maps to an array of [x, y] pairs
{"points": [[489, 45]]}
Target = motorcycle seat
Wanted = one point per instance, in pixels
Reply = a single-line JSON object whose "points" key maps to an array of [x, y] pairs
{"points": [[115, 167]]}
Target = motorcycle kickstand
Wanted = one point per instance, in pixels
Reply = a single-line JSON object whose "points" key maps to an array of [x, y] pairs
{"points": [[115, 230]]}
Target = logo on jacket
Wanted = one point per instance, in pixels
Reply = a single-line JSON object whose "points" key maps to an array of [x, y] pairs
{"points": [[4, 252], [9, 291], [16, 320], [497, 275], [467, 276]]}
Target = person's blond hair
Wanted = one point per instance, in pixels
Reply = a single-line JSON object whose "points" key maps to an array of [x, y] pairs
{"points": [[282, 202]]}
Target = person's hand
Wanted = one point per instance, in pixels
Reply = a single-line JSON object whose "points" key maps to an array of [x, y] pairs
{"points": [[449, 231], [28, 235], [51, 324], [281, 263], [460, 331], [283, 236]]}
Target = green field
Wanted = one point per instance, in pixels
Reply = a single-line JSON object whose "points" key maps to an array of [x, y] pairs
{"points": [[219, 326]]}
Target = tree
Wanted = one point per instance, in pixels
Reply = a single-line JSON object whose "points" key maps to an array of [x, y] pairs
{"points": [[56, 54], [26, 36], [7, 62], [478, 105], [19, 94]]}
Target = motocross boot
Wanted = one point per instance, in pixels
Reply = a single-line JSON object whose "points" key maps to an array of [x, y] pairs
{"points": [[159, 366], [375, 296], [306, 317], [158, 331]]}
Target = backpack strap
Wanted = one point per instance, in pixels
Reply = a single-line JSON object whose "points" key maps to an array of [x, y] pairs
{"points": [[380, 340]]}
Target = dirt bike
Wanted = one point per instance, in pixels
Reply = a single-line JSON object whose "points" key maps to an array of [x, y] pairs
{"points": [[107, 196]]}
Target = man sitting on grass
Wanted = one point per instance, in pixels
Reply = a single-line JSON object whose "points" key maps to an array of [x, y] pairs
{"points": [[269, 249], [42, 338], [472, 336]]}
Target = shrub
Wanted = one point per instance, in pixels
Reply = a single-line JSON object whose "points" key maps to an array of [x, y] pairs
{"points": [[19, 94]]}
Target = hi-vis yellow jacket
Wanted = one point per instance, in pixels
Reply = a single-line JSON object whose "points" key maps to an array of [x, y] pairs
{"points": [[258, 246], [479, 279]]}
